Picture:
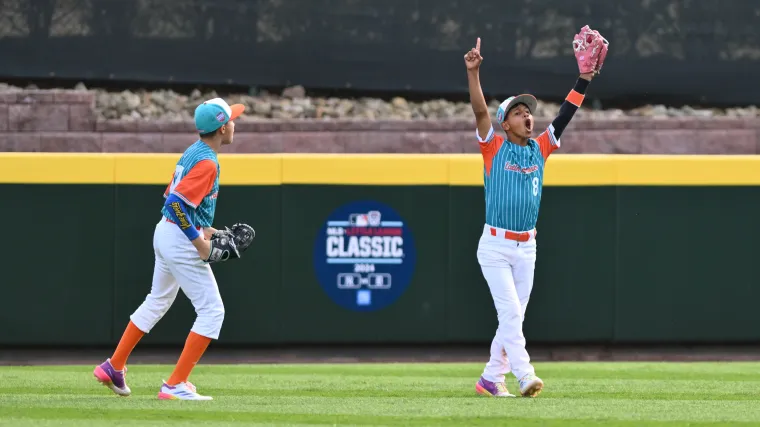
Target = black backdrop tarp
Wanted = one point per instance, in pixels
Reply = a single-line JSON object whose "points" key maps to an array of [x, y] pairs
{"points": [[696, 51]]}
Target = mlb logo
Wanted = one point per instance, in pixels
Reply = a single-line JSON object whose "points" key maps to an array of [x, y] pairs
{"points": [[374, 218], [359, 220], [221, 117]]}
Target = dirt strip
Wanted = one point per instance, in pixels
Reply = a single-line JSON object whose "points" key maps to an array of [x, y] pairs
{"points": [[216, 355]]}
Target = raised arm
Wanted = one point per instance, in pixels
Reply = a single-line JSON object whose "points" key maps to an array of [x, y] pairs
{"points": [[590, 52], [572, 102], [549, 140], [472, 60]]}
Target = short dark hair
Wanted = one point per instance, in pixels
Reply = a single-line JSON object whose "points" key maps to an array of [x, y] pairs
{"points": [[209, 134]]}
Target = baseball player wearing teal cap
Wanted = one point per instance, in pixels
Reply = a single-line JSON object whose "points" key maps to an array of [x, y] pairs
{"points": [[184, 244], [513, 175]]}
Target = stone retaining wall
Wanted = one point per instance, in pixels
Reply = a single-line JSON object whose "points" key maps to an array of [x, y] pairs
{"points": [[64, 121]]}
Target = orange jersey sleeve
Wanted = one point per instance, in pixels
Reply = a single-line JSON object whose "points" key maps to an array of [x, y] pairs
{"points": [[197, 183], [488, 148], [169, 186], [548, 142]]}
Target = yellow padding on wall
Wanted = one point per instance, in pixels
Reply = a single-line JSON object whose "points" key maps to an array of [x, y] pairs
{"points": [[378, 169]]}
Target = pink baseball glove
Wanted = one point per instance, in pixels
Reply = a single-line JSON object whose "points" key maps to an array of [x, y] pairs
{"points": [[602, 54], [590, 50]]}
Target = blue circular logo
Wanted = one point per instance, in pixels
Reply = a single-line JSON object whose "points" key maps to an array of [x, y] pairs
{"points": [[364, 256]]}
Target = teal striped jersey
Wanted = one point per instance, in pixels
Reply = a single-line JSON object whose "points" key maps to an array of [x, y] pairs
{"points": [[196, 182], [513, 178]]}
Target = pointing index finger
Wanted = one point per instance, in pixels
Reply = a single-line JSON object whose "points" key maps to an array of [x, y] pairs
{"points": [[477, 44]]}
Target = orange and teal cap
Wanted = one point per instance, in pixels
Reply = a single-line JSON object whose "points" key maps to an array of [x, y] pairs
{"points": [[215, 113]]}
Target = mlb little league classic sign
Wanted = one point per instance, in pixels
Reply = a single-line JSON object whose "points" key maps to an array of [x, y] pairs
{"points": [[364, 256]]}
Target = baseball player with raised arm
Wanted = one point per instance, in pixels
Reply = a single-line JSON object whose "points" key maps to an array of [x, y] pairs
{"points": [[185, 244], [513, 174]]}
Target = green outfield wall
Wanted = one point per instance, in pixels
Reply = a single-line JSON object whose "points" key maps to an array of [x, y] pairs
{"points": [[631, 249]]}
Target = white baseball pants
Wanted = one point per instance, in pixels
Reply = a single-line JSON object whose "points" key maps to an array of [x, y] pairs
{"points": [[178, 266], [508, 268]]}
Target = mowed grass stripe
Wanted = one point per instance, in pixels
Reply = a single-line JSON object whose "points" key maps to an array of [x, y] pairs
{"points": [[218, 417], [357, 386], [22, 422], [614, 395], [570, 408], [739, 371], [388, 395], [477, 422]]}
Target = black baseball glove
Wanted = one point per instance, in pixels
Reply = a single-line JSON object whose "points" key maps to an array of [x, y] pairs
{"points": [[230, 242]]}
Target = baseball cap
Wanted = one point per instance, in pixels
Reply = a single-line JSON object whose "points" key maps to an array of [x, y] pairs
{"points": [[510, 102], [215, 113]]}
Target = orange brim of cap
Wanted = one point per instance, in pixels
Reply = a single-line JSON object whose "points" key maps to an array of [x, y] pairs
{"points": [[237, 110]]}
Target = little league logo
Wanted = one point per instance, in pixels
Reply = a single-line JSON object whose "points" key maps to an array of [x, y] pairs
{"points": [[364, 256]]}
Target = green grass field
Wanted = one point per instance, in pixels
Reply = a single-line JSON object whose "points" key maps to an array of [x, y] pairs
{"points": [[576, 394]]}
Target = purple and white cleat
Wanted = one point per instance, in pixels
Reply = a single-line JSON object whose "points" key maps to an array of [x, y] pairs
{"points": [[111, 378], [492, 389]]}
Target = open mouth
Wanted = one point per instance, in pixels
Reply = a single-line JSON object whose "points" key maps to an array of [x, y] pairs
{"points": [[529, 125]]}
